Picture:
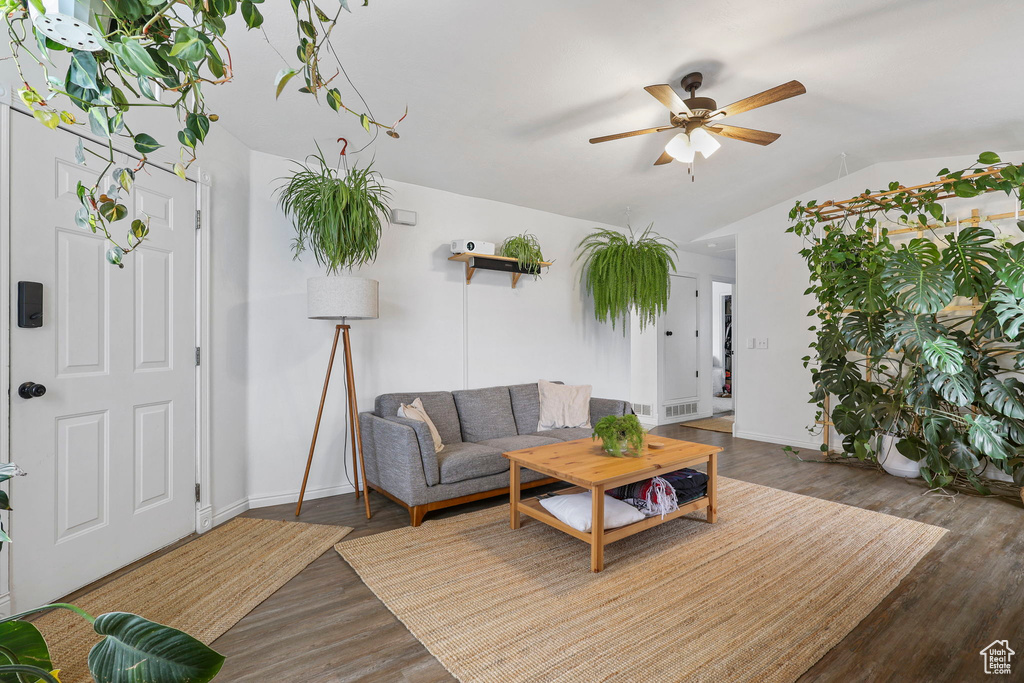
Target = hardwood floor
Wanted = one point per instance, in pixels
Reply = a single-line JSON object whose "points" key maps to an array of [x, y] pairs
{"points": [[326, 625]]}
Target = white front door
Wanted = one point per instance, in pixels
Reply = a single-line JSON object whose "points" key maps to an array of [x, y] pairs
{"points": [[110, 448], [679, 345]]}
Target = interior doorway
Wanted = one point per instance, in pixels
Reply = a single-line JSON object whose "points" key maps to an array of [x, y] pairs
{"points": [[723, 370]]}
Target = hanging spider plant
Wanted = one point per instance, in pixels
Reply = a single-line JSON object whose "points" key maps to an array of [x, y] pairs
{"points": [[525, 249], [627, 273], [337, 215]]}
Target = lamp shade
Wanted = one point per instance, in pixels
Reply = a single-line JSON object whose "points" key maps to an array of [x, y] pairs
{"points": [[702, 141], [333, 297], [680, 149]]}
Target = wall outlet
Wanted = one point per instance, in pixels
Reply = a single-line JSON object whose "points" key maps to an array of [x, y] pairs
{"points": [[751, 343], [762, 343]]}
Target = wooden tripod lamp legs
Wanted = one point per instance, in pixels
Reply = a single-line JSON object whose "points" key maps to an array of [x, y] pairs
{"points": [[353, 416]]}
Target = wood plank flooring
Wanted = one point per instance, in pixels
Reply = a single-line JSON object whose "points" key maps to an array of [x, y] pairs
{"points": [[326, 625]]}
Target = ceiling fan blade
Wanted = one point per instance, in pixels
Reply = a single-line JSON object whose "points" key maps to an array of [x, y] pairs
{"points": [[776, 94], [667, 96], [617, 136], [665, 158], [758, 137]]}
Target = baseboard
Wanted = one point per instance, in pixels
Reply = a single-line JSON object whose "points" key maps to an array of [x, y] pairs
{"points": [[266, 500], [775, 438], [5, 605], [233, 510]]}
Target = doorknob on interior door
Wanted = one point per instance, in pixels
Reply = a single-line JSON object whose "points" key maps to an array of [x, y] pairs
{"points": [[668, 333], [31, 390]]}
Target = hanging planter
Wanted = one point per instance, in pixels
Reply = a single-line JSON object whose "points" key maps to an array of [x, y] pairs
{"points": [[72, 23], [627, 273]]}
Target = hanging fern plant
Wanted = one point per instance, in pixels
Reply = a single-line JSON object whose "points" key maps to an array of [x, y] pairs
{"points": [[336, 216], [525, 249], [627, 273]]}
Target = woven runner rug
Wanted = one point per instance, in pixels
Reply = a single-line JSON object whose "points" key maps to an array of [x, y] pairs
{"points": [[203, 588], [759, 596], [712, 424]]}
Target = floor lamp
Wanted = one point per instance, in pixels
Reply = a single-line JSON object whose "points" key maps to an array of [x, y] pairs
{"points": [[341, 298]]}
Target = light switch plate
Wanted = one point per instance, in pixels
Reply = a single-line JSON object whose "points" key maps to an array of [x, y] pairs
{"points": [[751, 343], [762, 343]]}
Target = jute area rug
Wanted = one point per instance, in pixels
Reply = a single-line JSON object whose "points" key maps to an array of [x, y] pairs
{"points": [[759, 596], [712, 424], [203, 588]]}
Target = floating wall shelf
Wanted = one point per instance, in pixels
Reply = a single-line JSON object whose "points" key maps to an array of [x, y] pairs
{"points": [[504, 264]]}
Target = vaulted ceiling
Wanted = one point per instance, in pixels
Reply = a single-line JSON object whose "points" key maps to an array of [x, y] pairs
{"points": [[503, 96]]}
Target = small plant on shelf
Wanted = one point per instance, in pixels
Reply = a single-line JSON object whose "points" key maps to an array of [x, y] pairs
{"points": [[336, 215], [627, 273], [525, 249], [621, 435]]}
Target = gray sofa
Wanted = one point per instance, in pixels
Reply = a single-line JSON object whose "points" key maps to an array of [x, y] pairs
{"points": [[476, 427]]}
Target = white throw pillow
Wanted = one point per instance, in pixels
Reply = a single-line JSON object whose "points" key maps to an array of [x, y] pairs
{"points": [[563, 406], [415, 411], [575, 510]]}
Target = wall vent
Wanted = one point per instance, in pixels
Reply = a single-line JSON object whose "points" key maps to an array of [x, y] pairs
{"points": [[645, 409], [681, 409]]}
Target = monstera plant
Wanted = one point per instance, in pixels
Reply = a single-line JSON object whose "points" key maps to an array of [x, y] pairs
{"points": [[121, 55], [131, 650], [921, 339]]}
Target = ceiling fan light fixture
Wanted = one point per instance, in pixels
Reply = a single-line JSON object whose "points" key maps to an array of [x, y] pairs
{"points": [[680, 148], [701, 141]]}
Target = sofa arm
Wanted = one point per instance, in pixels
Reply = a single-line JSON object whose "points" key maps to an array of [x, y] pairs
{"points": [[428, 456], [397, 466], [603, 407]]}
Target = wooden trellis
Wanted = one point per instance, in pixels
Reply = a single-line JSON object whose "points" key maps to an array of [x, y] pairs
{"points": [[868, 202]]}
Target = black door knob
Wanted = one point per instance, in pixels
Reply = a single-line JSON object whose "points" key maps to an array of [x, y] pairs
{"points": [[31, 390], [668, 334]]}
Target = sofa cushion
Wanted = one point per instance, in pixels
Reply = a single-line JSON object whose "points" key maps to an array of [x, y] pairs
{"points": [[526, 406], [514, 443], [440, 406], [567, 433], [461, 461], [485, 413]]}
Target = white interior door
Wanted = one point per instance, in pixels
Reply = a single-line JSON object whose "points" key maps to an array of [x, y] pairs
{"points": [[679, 342], [110, 447]]}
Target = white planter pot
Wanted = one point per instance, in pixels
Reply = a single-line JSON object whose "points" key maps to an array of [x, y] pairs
{"points": [[69, 22], [894, 462]]}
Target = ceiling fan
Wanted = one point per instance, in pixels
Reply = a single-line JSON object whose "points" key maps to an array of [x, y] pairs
{"points": [[698, 116]]}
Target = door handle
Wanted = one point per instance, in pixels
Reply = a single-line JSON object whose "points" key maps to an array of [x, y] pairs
{"points": [[31, 390]]}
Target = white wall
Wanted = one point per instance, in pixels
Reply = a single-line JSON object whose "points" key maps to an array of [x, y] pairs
{"points": [[645, 351], [771, 385], [434, 331]]}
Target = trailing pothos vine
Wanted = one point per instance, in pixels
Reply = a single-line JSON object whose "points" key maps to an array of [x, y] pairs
{"points": [[155, 53], [921, 339]]}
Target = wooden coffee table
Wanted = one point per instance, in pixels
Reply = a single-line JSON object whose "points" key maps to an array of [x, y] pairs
{"points": [[584, 463]]}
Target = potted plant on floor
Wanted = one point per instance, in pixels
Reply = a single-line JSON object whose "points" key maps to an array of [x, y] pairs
{"points": [[627, 273], [131, 649]]}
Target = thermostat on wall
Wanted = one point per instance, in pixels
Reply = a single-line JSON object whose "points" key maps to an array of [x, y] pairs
{"points": [[403, 217]]}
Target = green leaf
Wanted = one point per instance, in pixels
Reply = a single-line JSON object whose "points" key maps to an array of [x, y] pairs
{"points": [[839, 376], [98, 122], [971, 260], [986, 435], [112, 211], [943, 354], [857, 288], [146, 144], [50, 119], [917, 280], [138, 59], [83, 70], [253, 17], [1005, 397], [831, 343], [198, 124], [365, 121], [1010, 269], [136, 650], [187, 138], [1009, 310], [334, 99], [283, 76], [961, 455], [867, 333], [988, 158], [935, 427], [958, 389], [912, 332], [187, 45], [25, 642]]}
